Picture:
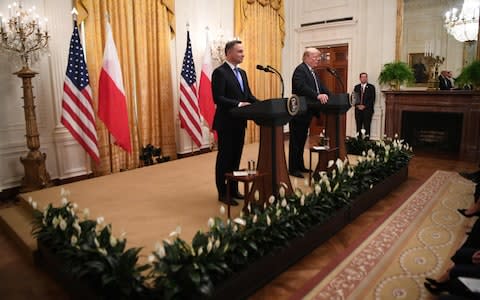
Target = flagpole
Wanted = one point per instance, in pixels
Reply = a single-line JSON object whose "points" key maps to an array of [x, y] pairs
{"points": [[135, 103], [110, 152], [88, 163]]}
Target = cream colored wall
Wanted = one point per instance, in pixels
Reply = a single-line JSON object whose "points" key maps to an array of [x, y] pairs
{"points": [[370, 37]]}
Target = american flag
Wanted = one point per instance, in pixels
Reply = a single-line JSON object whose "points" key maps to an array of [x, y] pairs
{"points": [[189, 116], [77, 109]]}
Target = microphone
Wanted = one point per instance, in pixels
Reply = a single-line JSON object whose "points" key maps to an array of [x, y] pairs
{"points": [[273, 70], [333, 71], [265, 69]]}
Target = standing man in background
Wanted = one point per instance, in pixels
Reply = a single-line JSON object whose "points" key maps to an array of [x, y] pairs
{"points": [[364, 104], [230, 89], [305, 83]]}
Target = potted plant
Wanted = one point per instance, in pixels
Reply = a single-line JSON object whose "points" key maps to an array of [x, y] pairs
{"points": [[470, 76], [395, 74]]}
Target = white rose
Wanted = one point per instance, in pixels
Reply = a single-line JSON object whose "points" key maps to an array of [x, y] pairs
{"points": [[281, 192], [318, 189], [63, 224], [240, 221], [211, 222], [86, 213], [330, 164], [113, 241], [209, 246], [222, 210], [271, 199]]}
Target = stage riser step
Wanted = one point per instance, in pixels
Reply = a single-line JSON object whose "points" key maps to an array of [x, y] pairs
{"points": [[16, 223]]}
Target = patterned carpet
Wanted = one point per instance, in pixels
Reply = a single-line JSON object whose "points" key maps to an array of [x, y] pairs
{"points": [[393, 258]]}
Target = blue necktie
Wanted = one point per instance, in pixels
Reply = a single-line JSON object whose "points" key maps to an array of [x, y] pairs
{"points": [[239, 77]]}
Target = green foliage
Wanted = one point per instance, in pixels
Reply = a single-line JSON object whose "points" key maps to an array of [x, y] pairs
{"points": [[90, 251], [470, 75], [179, 270], [396, 73]]}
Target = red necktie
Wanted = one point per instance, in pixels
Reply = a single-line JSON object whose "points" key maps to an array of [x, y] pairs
{"points": [[361, 95]]}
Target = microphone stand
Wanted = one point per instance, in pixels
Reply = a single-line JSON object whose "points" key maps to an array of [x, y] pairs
{"points": [[279, 75], [334, 73]]}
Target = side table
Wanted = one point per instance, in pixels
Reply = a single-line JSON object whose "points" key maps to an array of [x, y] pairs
{"points": [[246, 180], [324, 155]]}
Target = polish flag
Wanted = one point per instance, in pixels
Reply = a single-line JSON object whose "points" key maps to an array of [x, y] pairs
{"points": [[205, 97], [112, 103]]}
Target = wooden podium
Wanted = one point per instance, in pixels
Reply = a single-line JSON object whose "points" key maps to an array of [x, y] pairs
{"points": [[270, 115], [335, 120]]}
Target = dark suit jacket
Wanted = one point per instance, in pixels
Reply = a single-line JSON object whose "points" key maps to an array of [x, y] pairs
{"points": [[444, 83], [368, 95], [303, 84], [227, 94]]}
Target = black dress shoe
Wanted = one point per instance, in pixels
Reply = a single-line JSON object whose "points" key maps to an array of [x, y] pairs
{"points": [[466, 175], [297, 174], [435, 282], [435, 290], [463, 213], [238, 196], [230, 202], [305, 170]]}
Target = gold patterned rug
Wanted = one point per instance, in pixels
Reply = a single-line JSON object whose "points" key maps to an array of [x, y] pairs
{"points": [[413, 242]]}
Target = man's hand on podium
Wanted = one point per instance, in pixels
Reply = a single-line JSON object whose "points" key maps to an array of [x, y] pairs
{"points": [[323, 98]]}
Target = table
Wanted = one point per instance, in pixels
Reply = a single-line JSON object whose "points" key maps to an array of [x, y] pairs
{"points": [[324, 155], [246, 180]]}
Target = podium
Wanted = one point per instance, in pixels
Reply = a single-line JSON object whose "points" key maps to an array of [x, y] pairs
{"points": [[335, 120], [270, 115]]}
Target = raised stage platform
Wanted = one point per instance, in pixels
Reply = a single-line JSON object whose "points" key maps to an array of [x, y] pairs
{"points": [[147, 203]]}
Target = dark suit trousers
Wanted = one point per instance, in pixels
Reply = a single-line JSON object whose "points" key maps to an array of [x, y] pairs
{"points": [[363, 119], [230, 147], [298, 137]]}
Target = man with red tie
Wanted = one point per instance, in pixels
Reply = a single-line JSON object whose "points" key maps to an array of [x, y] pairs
{"points": [[364, 104]]}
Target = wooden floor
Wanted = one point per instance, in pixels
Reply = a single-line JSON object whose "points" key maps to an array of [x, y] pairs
{"points": [[21, 280]]}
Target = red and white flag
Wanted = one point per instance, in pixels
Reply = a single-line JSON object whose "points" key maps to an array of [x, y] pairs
{"points": [[205, 96], [189, 116], [112, 103], [77, 109]]}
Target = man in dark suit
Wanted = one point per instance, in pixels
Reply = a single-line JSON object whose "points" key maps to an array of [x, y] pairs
{"points": [[230, 89], [444, 81], [306, 83], [364, 103]]}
